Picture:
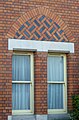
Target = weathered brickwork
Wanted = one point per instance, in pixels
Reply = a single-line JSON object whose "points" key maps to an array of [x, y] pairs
{"points": [[55, 20]]}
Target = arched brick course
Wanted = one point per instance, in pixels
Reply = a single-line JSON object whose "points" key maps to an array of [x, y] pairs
{"points": [[40, 24]]}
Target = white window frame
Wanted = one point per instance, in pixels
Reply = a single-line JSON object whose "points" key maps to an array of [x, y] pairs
{"points": [[31, 111], [59, 111]]}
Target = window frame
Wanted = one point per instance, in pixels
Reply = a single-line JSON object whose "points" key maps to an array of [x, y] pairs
{"points": [[31, 111], [59, 111]]}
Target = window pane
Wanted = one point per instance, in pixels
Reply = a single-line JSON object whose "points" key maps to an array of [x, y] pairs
{"points": [[20, 68], [55, 68], [20, 96], [55, 96]]}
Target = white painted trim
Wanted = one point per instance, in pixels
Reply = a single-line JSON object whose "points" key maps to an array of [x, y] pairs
{"points": [[21, 112], [55, 82], [45, 46], [32, 84], [22, 82], [56, 111], [9, 117]]}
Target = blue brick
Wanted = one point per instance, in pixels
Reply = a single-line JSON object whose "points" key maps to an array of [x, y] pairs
{"points": [[51, 31], [37, 34], [27, 23], [41, 18], [57, 35], [65, 35], [50, 20], [47, 24], [26, 33], [23, 37], [20, 29], [17, 34], [36, 22], [63, 40], [30, 19], [43, 39], [41, 30], [53, 39], [61, 31], [32, 28], [47, 35], [33, 38], [57, 25]]}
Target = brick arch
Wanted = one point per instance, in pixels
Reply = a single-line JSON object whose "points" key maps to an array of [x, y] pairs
{"points": [[40, 24]]}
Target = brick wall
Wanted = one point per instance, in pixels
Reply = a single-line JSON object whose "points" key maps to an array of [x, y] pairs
{"points": [[66, 14], [40, 81]]}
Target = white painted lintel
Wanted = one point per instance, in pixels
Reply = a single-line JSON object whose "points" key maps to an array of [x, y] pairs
{"points": [[42, 46]]}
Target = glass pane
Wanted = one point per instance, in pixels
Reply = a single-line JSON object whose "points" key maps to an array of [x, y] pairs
{"points": [[20, 68], [55, 68], [55, 96], [20, 96]]}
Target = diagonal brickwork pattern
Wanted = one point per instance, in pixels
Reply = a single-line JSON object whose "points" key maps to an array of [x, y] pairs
{"points": [[40, 24], [41, 28]]}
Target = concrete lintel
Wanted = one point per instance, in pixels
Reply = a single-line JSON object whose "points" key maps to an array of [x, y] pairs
{"points": [[42, 46], [9, 117]]}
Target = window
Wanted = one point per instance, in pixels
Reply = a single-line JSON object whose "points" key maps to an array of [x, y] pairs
{"points": [[22, 83], [57, 99]]}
